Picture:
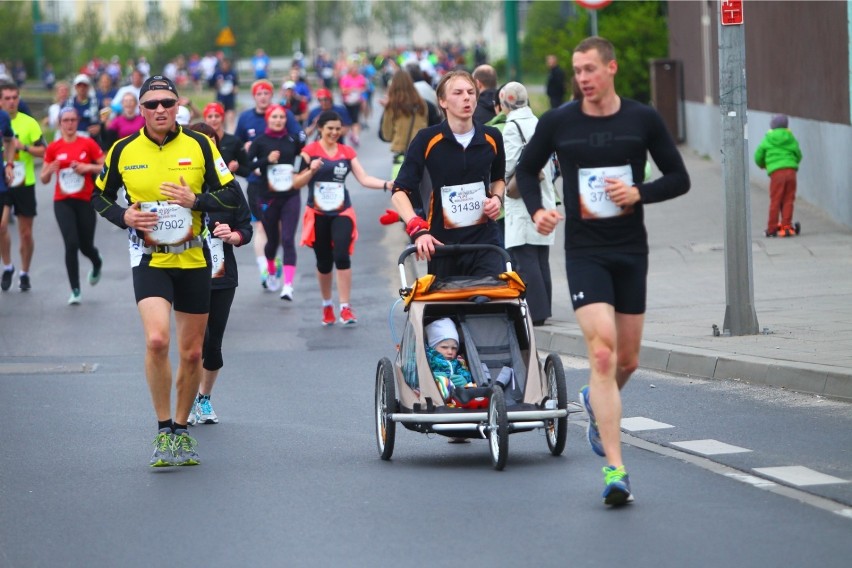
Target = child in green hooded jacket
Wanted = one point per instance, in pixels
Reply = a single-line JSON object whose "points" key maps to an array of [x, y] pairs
{"points": [[780, 154]]}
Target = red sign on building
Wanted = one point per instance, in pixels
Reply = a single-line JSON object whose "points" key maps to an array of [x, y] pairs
{"points": [[731, 12]]}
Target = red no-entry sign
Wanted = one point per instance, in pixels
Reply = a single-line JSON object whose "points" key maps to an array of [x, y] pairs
{"points": [[593, 4], [731, 12]]}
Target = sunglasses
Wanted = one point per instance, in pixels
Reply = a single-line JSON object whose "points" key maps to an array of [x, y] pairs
{"points": [[152, 105]]}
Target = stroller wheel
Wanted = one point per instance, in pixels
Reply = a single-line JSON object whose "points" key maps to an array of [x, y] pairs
{"points": [[386, 404], [498, 428], [556, 430]]}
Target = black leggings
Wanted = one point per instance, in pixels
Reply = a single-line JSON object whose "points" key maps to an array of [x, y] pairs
{"points": [[332, 239], [76, 220], [220, 309], [280, 219]]}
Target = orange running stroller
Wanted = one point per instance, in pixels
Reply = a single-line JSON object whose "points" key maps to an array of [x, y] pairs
{"points": [[512, 390]]}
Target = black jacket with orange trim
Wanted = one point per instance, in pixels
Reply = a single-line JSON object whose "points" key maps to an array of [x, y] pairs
{"points": [[435, 150]]}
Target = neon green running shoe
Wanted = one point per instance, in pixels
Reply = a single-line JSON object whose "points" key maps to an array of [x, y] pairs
{"points": [[163, 454], [184, 448], [617, 490]]}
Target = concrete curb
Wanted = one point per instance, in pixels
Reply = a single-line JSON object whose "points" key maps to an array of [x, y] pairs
{"points": [[823, 380]]}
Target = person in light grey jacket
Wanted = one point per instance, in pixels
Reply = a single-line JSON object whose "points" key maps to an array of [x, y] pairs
{"points": [[530, 250]]}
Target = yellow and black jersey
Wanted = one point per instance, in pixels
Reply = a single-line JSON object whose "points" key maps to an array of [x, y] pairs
{"points": [[141, 165]]}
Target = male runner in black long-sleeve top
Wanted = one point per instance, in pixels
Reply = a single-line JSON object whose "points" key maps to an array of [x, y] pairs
{"points": [[602, 146]]}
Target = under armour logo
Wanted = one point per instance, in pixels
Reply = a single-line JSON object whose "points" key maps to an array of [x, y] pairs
{"points": [[578, 296]]}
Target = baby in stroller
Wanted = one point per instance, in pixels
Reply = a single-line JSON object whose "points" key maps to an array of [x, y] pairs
{"points": [[448, 368]]}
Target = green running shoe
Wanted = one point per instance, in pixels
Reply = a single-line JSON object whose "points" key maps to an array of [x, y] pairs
{"points": [[95, 273], [74, 299], [163, 454], [184, 448], [617, 490]]}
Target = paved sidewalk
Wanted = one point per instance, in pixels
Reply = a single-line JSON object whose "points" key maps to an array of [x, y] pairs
{"points": [[802, 294]]}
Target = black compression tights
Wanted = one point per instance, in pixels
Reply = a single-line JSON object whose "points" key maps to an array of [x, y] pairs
{"points": [[76, 220]]}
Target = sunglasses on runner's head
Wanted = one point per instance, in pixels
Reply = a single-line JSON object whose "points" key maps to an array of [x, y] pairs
{"points": [[152, 105]]}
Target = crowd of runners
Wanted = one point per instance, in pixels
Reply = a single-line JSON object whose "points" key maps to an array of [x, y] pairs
{"points": [[198, 182]]}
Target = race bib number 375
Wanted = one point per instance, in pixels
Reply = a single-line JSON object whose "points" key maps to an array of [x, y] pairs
{"points": [[595, 202]]}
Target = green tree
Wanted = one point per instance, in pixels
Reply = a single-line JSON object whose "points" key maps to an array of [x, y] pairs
{"points": [[639, 33], [637, 30], [478, 11], [278, 32], [271, 25], [126, 36], [395, 18], [59, 51], [330, 16], [87, 33], [433, 18], [458, 16], [202, 28], [455, 14], [16, 33], [549, 30]]}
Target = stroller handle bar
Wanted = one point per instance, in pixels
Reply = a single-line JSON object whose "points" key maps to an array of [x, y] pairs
{"points": [[445, 250]]}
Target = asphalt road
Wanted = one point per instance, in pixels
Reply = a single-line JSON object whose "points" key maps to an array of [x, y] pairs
{"points": [[291, 476]]}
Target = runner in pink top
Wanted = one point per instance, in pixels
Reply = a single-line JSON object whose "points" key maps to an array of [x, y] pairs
{"points": [[352, 87], [129, 121]]}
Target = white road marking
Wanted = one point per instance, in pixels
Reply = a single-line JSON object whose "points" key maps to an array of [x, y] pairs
{"points": [[752, 480], [640, 423], [799, 475], [709, 447], [708, 464], [795, 476]]}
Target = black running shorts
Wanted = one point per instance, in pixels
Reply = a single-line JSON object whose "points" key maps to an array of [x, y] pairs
{"points": [[617, 279], [23, 200], [187, 289]]}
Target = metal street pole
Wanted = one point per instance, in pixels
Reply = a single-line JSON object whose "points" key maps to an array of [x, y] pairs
{"points": [[592, 6], [39, 52], [740, 316], [513, 59], [223, 23]]}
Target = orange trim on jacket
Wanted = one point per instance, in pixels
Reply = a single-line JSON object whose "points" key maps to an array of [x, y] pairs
{"points": [[491, 141], [435, 139]]}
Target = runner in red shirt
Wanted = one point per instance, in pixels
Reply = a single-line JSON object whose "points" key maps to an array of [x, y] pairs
{"points": [[75, 159]]}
